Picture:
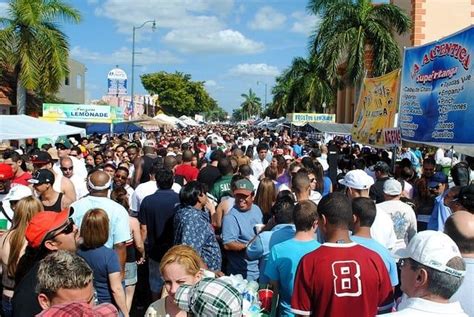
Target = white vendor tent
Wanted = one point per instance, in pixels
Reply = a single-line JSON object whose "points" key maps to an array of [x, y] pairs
{"points": [[189, 121], [20, 127], [170, 119]]}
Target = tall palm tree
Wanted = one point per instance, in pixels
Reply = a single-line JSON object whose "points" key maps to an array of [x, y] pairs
{"points": [[252, 104], [302, 87], [351, 28], [34, 48]]}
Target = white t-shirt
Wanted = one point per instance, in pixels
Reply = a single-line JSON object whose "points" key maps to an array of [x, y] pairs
{"points": [[79, 185], [382, 230], [418, 307], [259, 166], [403, 219], [465, 293], [142, 190]]}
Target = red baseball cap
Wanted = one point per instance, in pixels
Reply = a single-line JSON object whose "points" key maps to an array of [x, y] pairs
{"points": [[6, 172], [43, 223]]}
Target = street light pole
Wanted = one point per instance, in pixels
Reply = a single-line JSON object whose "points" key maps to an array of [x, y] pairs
{"points": [[259, 82], [132, 92]]}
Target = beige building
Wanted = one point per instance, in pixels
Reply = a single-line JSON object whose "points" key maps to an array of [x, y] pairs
{"points": [[432, 20], [72, 90]]}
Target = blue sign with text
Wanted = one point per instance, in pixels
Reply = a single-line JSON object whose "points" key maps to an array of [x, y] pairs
{"points": [[436, 91]]}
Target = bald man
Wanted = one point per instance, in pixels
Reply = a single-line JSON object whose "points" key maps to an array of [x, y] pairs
{"points": [[98, 184], [460, 227]]}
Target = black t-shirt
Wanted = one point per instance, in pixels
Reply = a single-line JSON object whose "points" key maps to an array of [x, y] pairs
{"points": [[157, 213], [208, 175], [25, 299]]}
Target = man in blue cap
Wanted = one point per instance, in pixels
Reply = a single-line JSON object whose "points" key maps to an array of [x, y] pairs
{"points": [[438, 186]]}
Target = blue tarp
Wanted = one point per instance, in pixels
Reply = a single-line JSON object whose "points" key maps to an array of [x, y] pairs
{"points": [[122, 127]]}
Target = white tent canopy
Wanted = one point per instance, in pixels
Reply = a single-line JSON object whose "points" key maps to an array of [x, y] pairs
{"points": [[20, 127], [189, 121]]}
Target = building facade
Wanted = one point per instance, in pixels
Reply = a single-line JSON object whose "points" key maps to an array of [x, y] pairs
{"points": [[72, 89], [432, 20]]}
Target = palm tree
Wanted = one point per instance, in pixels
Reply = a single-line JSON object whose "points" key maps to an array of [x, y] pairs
{"points": [[301, 87], [352, 28], [252, 104], [34, 48]]}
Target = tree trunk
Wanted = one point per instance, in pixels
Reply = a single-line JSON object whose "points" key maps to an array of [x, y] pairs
{"points": [[20, 97], [20, 103]]}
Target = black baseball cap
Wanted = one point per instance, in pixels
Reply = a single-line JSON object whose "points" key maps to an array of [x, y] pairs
{"points": [[42, 176], [41, 157]]}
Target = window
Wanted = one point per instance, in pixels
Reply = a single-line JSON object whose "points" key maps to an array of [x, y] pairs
{"points": [[79, 82]]}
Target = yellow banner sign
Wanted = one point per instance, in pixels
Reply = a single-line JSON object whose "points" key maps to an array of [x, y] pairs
{"points": [[376, 109]]}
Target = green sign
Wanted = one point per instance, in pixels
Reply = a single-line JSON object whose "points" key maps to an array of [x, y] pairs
{"points": [[82, 113]]}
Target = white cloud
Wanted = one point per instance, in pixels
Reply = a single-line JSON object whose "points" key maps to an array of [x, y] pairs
{"points": [[304, 23], [147, 56], [267, 19], [255, 70], [190, 25], [224, 41], [3, 9], [210, 83]]}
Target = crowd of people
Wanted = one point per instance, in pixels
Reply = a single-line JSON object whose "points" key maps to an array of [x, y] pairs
{"points": [[335, 228]]}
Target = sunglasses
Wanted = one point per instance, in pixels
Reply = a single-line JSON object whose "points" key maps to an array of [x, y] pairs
{"points": [[64, 169], [67, 229], [312, 180]]}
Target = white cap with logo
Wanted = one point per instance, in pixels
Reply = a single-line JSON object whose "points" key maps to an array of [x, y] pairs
{"points": [[433, 249], [357, 179]]}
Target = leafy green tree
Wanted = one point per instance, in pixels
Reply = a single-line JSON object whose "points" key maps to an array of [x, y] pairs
{"points": [[302, 87], [349, 29], [217, 114], [33, 46], [179, 95], [252, 104], [237, 115]]}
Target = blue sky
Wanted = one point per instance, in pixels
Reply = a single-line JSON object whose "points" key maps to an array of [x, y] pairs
{"points": [[229, 44]]}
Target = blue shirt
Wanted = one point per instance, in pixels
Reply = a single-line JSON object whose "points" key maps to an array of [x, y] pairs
{"points": [[193, 227], [440, 214], [282, 265], [103, 261], [384, 254], [119, 225], [259, 249], [237, 226]]}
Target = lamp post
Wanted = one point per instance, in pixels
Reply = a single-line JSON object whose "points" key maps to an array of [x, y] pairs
{"points": [[132, 93], [258, 83]]}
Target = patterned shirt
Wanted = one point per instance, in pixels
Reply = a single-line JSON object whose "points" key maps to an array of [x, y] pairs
{"points": [[193, 227]]}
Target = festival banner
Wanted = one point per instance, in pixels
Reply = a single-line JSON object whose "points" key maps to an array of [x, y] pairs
{"points": [[437, 91], [302, 118], [82, 113], [376, 109]]}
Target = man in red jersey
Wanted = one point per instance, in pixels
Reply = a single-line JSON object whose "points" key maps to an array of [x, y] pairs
{"points": [[340, 278]]}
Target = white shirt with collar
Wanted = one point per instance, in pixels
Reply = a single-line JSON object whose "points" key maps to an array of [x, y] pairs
{"points": [[258, 167], [418, 307]]}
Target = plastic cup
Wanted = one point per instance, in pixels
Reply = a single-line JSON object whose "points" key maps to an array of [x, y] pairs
{"points": [[265, 296]]}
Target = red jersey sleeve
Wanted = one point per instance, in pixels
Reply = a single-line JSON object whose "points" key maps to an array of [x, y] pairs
{"points": [[301, 300]]}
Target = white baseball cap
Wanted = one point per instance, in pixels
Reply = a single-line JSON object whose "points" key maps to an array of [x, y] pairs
{"points": [[18, 192], [433, 249], [357, 179], [392, 187]]}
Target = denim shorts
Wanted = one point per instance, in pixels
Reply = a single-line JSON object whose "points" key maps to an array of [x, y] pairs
{"points": [[154, 276], [130, 273]]}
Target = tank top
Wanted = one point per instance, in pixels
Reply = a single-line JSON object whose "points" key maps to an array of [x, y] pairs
{"points": [[147, 164], [56, 206]]}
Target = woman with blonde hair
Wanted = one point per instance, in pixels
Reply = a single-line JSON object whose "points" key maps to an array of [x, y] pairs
{"points": [[265, 197], [180, 265], [13, 244], [103, 261]]}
